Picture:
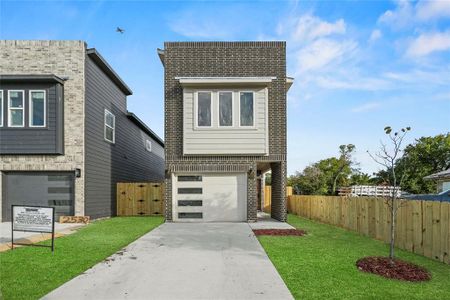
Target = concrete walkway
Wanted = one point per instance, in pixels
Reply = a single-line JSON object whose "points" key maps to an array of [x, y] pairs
{"points": [[183, 261], [266, 222], [61, 229]]}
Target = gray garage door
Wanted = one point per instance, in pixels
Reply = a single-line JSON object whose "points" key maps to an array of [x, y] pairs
{"points": [[54, 189]]}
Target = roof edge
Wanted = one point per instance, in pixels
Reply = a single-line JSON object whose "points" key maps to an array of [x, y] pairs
{"points": [[161, 55], [289, 82], [439, 175], [225, 80], [138, 122], [108, 70], [32, 77]]}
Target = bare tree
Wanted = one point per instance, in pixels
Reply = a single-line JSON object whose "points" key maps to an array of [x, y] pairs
{"points": [[388, 158]]}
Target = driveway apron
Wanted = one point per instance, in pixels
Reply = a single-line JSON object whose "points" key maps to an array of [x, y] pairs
{"points": [[183, 261]]}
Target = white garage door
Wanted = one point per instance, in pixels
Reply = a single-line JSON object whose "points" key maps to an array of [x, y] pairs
{"points": [[210, 198]]}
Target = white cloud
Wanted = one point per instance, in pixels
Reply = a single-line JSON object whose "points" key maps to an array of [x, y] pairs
{"points": [[418, 78], [366, 107], [322, 52], [400, 17], [325, 56], [427, 10], [375, 35], [308, 27], [352, 82], [429, 42], [406, 14]]}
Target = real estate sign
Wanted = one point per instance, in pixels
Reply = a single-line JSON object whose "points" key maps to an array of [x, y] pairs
{"points": [[33, 218]]}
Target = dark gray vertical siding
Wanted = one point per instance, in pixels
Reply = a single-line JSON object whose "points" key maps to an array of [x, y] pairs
{"points": [[106, 164], [28, 140]]}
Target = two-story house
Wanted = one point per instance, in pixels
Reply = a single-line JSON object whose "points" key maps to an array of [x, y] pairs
{"points": [[225, 125], [66, 137]]}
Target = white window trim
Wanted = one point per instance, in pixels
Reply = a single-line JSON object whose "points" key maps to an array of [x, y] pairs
{"points": [[30, 109], [106, 125], [1, 108], [148, 145], [218, 109], [196, 110], [23, 109], [254, 109]]}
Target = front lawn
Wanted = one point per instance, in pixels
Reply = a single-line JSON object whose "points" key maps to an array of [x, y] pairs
{"points": [[321, 265], [32, 272]]}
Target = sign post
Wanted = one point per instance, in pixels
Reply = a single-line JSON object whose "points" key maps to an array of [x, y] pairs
{"points": [[33, 219]]}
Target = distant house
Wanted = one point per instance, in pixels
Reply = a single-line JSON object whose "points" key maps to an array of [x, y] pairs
{"points": [[66, 137], [443, 180], [443, 188]]}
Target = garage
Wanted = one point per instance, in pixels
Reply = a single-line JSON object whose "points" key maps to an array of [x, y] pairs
{"points": [[55, 189], [209, 197]]}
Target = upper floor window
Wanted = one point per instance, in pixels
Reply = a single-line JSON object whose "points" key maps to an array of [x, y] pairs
{"points": [[1, 108], [37, 109], [16, 107], [110, 127], [225, 108], [148, 145], [246, 105], [204, 102]]}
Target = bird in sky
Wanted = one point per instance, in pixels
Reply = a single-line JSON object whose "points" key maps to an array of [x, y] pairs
{"points": [[120, 30]]}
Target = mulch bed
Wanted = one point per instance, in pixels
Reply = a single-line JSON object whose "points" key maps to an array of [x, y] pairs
{"points": [[279, 232], [401, 270]]}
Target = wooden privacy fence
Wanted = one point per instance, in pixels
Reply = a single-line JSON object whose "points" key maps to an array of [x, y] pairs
{"points": [[140, 199], [268, 197], [423, 227]]}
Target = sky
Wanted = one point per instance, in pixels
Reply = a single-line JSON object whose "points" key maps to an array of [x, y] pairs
{"points": [[358, 65]]}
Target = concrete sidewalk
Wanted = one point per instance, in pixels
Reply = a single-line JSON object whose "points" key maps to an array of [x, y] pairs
{"points": [[183, 261], [265, 221], [61, 229]]}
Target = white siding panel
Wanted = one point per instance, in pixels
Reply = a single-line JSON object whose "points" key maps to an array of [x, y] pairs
{"points": [[221, 140]]}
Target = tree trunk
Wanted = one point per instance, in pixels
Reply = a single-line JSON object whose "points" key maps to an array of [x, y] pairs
{"points": [[333, 191], [392, 242]]}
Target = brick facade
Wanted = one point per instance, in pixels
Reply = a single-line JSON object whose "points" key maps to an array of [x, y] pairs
{"points": [[226, 59], [63, 59]]}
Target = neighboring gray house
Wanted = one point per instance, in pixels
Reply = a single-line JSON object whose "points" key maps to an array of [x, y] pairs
{"points": [[66, 137], [442, 179], [225, 126]]}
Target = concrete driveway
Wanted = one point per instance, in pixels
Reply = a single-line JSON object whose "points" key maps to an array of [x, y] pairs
{"points": [[183, 261]]}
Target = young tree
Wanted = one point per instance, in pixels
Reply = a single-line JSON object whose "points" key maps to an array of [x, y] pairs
{"points": [[344, 162], [389, 158], [324, 176]]}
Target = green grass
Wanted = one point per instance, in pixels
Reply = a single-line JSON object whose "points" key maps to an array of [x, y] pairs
{"points": [[32, 272], [321, 265]]}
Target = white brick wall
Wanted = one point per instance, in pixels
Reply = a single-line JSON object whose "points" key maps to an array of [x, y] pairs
{"points": [[64, 59]]}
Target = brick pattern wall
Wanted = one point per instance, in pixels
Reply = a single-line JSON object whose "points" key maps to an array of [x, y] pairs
{"points": [[64, 59], [223, 59], [278, 204]]}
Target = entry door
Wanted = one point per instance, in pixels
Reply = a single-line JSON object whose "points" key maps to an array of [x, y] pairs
{"points": [[210, 198]]}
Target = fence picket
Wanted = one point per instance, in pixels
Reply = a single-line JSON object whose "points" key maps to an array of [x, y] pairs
{"points": [[423, 227], [436, 246], [139, 198]]}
